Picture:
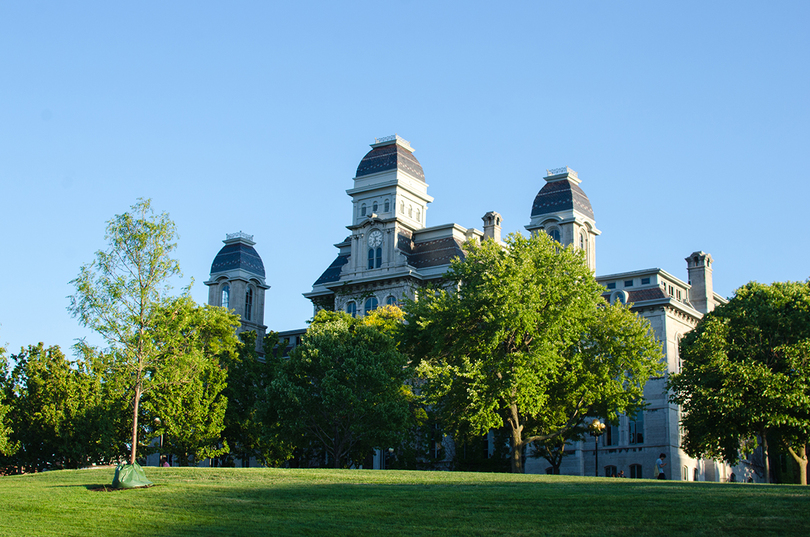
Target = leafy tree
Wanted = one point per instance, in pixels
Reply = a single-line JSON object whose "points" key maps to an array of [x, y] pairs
{"points": [[7, 447], [118, 294], [745, 380], [520, 337], [186, 401], [60, 416], [342, 389], [248, 380]]}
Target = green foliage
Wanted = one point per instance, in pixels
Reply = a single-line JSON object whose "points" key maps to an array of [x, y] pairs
{"points": [[118, 295], [745, 379], [520, 337], [185, 400], [60, 414], [341, 391], [7, 446]]}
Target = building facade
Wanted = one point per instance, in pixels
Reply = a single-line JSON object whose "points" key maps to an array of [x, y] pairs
{"points": [[390, 251]]}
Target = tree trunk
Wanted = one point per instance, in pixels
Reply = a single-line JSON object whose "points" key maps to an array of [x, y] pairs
{"points": [[765, 456], [800, 457], [517, 452], [135, 424]]}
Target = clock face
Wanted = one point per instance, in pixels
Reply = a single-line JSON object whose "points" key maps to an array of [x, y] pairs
{"points": [[375, 238]]}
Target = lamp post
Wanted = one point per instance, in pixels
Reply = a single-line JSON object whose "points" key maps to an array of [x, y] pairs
{"points": [[596, 428]]}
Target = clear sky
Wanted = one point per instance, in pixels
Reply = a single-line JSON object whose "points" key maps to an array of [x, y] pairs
{"points": [[688, 123]]}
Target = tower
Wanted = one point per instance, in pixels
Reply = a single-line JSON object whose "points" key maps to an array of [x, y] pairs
{"points": [[237, 283], [562, 210]]}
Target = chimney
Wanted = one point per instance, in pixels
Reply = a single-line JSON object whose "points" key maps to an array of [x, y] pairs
{"points": [[492, 226], [699, 265]]}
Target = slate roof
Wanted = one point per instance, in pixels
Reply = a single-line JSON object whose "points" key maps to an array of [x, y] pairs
{"points": [[238, 256], [641, 295], [560, 196], [434, 253], [390, 157], [332, 274]]}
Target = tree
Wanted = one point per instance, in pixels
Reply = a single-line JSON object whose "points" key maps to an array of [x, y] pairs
{"points": [[118, 294], [520, 336], [745, 379], [342, 389], [59, 413], [186, 400], [7, 446]]}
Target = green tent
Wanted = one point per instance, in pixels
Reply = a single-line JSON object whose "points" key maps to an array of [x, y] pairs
{"points": [[130, 476]]}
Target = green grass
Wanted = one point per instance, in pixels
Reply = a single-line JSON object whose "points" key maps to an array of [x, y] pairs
{"points": [[203, 501]]}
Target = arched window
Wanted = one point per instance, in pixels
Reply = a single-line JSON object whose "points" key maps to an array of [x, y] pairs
{"points": [[374, 207], [387, 206], [371, 258], [555, 234], [391, 300], [226, 296], [418, 215], [248, 303], [581, 241], [402, 207], [378, 257], [363, 210], [371, 304], [410, 211], [351, 308]]}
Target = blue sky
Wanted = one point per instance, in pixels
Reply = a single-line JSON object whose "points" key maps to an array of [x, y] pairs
{"points": [[688, 123]]}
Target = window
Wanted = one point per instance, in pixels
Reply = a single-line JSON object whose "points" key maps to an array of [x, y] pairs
{"points": [[418, 215], [645, 281], [248, 303], [678, 294], [685, 473], [374, 207], [226, 296], [387, 206], [351, 308], [611, 471], [363, 210], [671, 291], [391, 300], [371, 304], [581, 241], [637, 428], [695, 476], [378, 258], [635, 471], [371, 258], [628, 283], [611, 285], [410, 211], [554, 234], [611, 436], [402, 207]]}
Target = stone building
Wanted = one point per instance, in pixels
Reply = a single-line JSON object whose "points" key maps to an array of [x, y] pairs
{"points": [[390, 249]]}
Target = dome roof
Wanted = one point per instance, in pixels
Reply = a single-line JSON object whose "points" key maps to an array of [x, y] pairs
{"points": [[238, 254], [391, 155], [561, 195]]}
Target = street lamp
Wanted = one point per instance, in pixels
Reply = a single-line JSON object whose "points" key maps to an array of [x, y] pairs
{"points": [[596, 428]]}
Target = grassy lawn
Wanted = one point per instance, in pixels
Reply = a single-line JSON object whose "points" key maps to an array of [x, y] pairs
{"points": [[203, 501]]}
